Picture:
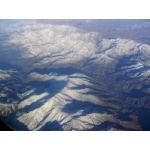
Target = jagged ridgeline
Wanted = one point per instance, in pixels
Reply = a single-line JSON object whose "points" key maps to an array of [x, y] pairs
{"points": [[59, 77]]}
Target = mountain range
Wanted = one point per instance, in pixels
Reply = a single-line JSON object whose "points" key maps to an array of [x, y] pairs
{"points": [[62, 77]]}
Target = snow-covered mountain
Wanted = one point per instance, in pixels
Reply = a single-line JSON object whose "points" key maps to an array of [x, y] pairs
{"points": [[58, 77]]}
